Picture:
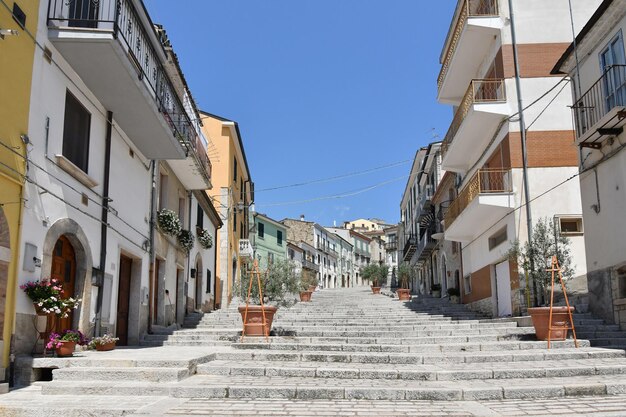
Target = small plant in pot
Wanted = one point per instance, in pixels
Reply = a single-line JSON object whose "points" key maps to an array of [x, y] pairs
{"points": [[168, 222], [278, 283], [534, 258], [454, 294], [65, 343], [436, 290], [47, 298], [307, 281], [404, 294], [103, 343], [376, 274], [186, 240]]}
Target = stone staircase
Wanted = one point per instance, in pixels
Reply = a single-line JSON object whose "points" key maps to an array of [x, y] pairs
{"points": [[350, 344]]}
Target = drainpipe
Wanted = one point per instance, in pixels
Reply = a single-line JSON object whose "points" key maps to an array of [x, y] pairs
{"points": [[105, 219], [522, 128], [153, 271], [189, 263], [215, 268]]}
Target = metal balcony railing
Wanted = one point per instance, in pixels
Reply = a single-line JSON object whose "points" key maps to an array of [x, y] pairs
{"points": [[485, 181], [410, 247], [603, 96], [479, 91], [391, 245], [122, 19], [245, 249], [310, 265], [470, 8]]}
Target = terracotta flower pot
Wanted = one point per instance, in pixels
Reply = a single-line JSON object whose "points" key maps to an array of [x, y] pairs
{"points": [[404, 294], [541, 317], [105, 347], [254, 321], [66, 348], [305, 296], [375, 290]]}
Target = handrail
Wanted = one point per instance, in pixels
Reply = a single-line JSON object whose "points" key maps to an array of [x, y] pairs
{"points": [[479, 91], [470, 8], [608, 92], [484, 181]]}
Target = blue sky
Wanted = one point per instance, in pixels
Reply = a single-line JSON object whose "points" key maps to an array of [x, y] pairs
{"points": [[320, 88]]}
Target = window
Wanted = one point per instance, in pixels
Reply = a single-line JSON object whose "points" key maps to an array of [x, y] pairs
{"points": [[181, 210], [208, 281], [571, 226], [614, 84], [235, 170], [162, 191], [234, 222], [291, 254], [497, 239], [279, 238], [76, 128], [19, 15], [199, 217], [455, 248], [261, 231]]}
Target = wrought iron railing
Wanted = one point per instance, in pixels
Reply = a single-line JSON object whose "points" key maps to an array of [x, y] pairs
{"points": [[485, 181], [391, 245], [425, 244], [470, 8], [603, 96], [122, 19], [310, 265], [202, 157], [479, 91]]}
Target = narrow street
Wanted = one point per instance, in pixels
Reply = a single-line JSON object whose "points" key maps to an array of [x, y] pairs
{"points": [[348, 352]]}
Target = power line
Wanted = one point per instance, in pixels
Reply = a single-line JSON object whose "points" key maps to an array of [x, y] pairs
{"points": [[336, 177]]}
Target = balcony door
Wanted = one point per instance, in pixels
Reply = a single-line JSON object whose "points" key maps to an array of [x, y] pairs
{"points": [[612, 61], [83, 13]]}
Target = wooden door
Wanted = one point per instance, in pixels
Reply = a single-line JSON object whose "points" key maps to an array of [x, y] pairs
{"points": [[64, 270], [154, 297], [199, 278], [123, 299]]}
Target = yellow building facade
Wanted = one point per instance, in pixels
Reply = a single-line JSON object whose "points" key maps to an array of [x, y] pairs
{"points": [[17, 50], [232, 194]]}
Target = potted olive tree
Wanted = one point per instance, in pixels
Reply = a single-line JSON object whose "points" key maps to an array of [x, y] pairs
{"points": [[534, 259], [404, 294], [454, 294], [436, 290], [306, 284], [278, 284], [376, 274]]}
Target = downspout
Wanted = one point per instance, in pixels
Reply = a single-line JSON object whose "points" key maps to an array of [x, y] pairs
{"points": [[215, 268], [104, 224], [189, 265], [522, 127], [153, 271]]}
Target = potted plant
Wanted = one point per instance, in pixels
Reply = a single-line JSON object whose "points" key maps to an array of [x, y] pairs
{"points": [[277, 283], [65, 343], [454, 294], [404, 294], [103, 343], [205, 238], [307, 284], [186, 240], [168, 222], [436, 290], [534, 257], [376, 274], [47, 297]]}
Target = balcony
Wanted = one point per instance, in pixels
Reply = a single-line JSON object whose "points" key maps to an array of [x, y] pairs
{"points": [[426, 245], [310, 265], [601, 111], [194, 172], [425, 202], [112, 46], [487, 195], [410, 247], [469, 41], [475, 122], [391, 245], [246, 251]]}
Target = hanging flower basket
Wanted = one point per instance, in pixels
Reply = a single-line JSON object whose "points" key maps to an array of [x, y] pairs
{"points": [[186, 240], [205, 239], [168, 222], [47, 298]]}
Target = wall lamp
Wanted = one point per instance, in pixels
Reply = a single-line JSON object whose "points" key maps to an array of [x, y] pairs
{"points": [[8, 32]]}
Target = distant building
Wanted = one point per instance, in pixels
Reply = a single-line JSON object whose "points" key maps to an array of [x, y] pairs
{"points": [[269, 241]]}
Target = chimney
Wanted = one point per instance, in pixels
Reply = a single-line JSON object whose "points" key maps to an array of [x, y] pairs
{"points": [[334, 223], [302, 217]]}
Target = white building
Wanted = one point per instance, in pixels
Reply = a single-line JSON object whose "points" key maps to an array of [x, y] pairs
{"points": [[483, 143], [391, 252], [599, 85], [103, 111]]}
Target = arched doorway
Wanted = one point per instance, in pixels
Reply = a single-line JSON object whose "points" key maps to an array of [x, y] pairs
{"points": [[64, 271], [199, 270], [444, 274], [5, 258]]}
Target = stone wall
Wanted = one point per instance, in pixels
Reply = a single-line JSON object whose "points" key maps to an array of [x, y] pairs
{"points": [[607, 294], [299, 231], [484, 306]]}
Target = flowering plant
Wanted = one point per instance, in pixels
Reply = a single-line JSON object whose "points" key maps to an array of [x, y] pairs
{"points": [[102, 340], [55, 340], [186, 240], [168, 222], [47, 296], [205, 238]]}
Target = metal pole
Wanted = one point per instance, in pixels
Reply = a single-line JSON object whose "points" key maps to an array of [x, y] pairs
{"points": [[522, 127]]}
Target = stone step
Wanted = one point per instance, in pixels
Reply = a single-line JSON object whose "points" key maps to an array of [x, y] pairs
{"points": [[405, 325], [424, 358], [507, 370], [258, 387], [414, 333], [153, 374], [398, 348], [388, 341]]}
